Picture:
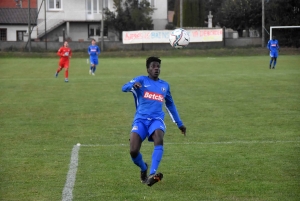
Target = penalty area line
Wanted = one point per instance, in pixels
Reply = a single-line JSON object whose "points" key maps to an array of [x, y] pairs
{"points": [[67, 194]]}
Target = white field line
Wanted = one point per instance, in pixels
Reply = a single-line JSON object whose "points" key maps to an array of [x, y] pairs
{"points": [[198, 143], [67, 194]]}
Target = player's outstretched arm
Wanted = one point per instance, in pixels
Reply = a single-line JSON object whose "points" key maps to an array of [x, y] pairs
{"points": [[183, 130], [132, 84]]}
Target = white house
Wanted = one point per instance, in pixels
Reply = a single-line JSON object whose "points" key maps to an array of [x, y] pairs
{"points": [[14, 23], [80, 20]]}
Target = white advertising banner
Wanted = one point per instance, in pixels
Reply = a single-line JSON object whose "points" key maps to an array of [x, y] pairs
{"points": [[162, 36]]}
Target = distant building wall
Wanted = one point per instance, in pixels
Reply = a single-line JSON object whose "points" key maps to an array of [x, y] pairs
{"points": [[160, 14], [12, 31], [240, 42]]}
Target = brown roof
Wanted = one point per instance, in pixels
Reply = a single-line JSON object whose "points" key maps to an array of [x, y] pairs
{"points": [[17, 16], [17, 4]]}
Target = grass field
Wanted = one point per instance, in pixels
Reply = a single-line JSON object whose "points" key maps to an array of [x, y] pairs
{"points": [[242, 119]]}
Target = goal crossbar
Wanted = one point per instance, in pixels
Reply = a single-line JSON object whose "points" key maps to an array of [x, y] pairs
{"points": [[281, 27]]}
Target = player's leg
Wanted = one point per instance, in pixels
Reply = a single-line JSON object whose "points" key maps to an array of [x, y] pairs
{"points": [[94, 69], [275, 61], [137, 136], [91, 65], [60, 66], [272, 58], [66, 74], [157, 136], [275, 55], [91, 69], [57, 71], [95, 65], [66, 67]]}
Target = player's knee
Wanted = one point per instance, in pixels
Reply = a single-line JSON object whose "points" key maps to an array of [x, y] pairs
{"points": [[134, 152], [158, 137]]}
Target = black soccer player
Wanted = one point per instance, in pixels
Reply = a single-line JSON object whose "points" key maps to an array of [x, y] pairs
{"points": [[150, 95]]}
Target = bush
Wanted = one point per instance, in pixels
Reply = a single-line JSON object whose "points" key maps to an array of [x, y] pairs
{"points": [[170, 26]]}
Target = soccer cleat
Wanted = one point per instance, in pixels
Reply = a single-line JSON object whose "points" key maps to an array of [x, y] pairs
{"points": [[66, 80], [90, 72], [154, 178], [270, 66], [144, 175], [93, 73], [56, 74]]}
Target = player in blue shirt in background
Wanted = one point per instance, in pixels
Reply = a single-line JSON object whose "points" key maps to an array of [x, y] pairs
{"points": [[150, 95], [273, 46], [93, 51]]}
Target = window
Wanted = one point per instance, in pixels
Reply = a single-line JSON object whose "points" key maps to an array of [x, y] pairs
{"points": [[152, 3], [95, 30], [89, 7], [20, 35], [3, 34], [55, 4], [105, 4], [95, 6]]}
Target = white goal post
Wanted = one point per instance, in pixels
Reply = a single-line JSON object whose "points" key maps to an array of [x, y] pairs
{"points": [[281, 27]]}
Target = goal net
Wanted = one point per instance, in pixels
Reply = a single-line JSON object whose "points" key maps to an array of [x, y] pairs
{"points": [[287, 36]]}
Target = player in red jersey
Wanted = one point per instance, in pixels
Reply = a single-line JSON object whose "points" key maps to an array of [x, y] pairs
{"points": [[65, 54]]}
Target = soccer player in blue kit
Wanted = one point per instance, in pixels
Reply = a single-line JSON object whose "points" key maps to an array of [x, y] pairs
{"points": [[273, 46], [150, 93], [93, 51]]}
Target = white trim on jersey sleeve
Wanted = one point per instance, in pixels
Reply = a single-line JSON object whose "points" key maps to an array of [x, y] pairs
{"points": [[169, 112], [136, 100]]}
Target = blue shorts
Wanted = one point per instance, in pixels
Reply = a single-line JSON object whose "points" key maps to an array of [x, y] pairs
{"points": [[274, 54], [94, 60], [146, 127]]}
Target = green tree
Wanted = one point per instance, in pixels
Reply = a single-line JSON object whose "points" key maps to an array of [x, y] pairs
{"points": [[176, 17], [192, 13], [129, 15], [171, 5], [215, 7], [241, 14], [283, 13]]}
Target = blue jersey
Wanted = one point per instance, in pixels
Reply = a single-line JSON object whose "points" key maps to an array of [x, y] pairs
{"points": [[273, 45], [93, 50], [150, 98]]}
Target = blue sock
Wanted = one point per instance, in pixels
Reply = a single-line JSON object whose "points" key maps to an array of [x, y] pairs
{"points": [[274, 63], [139, 162], [156, 158], [94, 69], [91, 67], [271, 62]]}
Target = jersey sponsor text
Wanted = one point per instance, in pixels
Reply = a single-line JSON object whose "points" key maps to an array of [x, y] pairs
{"points": [[153, 96]]}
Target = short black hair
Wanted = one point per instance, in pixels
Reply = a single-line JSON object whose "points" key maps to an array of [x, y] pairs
{"points": [[150, 59]]}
